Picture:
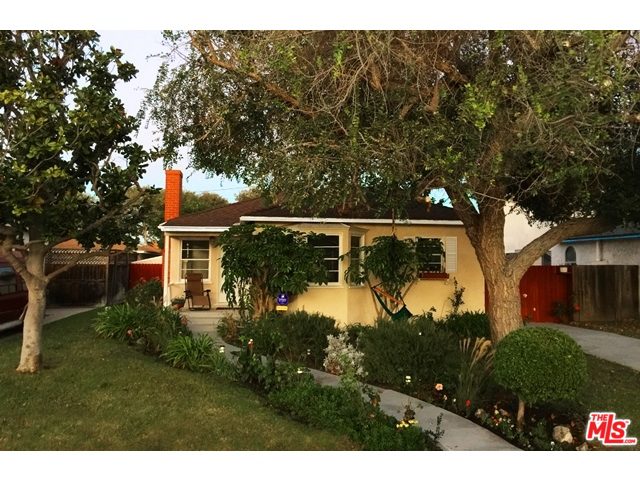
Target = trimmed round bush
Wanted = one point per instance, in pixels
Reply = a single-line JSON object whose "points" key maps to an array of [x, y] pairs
{"points": [[540, 365]]}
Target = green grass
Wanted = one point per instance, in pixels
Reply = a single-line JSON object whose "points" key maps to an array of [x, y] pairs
{"points": [[97, 394], [614, 388]]}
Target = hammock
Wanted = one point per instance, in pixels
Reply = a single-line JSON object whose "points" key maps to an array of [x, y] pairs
{"points": [[401, 314]]}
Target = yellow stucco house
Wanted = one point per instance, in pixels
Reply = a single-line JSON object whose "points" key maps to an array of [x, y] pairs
{"points": [[190, 247]]}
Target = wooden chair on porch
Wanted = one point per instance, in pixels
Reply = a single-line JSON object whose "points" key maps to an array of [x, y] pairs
{"points": [[195, 293]]}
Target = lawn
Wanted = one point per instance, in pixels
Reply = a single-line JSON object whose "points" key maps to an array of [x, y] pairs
{"points": [[614, 388], [96, 394]]}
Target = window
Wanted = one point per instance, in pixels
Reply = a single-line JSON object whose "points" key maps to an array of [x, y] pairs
{"points": [[10, 282], [432, 255], [195, 257], [330, 246], [355, 255], [570, 256]]}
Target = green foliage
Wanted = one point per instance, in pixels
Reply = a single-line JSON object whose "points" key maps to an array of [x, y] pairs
{"points": [[467, 324], [540, 365], [261, 261], [198, 354], [415, 348], [145, 325], [393, 262], [63, 128], [476, 362], [456, 299], [343, 410], [298, 337], [145, 292]]}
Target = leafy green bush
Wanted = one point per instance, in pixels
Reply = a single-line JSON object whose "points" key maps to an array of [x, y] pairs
{"points": [[198, 354], [146, 325], [415, 348], [344, 411], [296, 337], [540, 365], [145, 292], [468, 324]]}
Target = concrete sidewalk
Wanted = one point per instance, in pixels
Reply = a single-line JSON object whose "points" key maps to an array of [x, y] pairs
{"points": [[608, 346]]}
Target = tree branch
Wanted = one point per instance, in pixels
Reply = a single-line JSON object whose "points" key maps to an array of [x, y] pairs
{"points": [[207, 51], [6, 248], [537, 247]]}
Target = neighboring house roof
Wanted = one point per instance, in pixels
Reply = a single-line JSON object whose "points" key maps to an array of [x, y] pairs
{"points": [[255, 210], [75, 245], [616, 234]]}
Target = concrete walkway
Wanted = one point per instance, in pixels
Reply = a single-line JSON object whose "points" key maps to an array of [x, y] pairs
{"points": [[608, 346]]}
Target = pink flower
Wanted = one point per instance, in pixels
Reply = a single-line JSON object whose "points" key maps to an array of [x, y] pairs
{"points": [[439, 387], [130, 333]]}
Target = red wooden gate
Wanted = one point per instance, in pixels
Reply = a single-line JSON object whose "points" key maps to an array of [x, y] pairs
{"points": [[541, 288]]}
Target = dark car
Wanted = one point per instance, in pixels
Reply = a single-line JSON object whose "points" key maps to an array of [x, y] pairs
{"points": [[13, 296]]}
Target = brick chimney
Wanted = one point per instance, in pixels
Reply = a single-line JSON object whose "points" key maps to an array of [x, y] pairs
{"points": [[172, 194]]}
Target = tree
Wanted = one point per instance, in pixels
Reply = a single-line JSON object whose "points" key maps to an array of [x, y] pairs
{"points": [[260, 262], [248, 194], [192, 202], [545, 121], [67, 160]]}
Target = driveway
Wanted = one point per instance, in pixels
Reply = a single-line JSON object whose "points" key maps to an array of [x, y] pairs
{"points": [[608, 346]]}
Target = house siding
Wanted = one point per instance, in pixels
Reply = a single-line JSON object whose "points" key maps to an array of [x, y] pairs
{"points": [[355, 304]]}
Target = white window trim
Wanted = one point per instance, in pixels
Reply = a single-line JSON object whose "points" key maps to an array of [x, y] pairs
{"points": [[193, 239], [357, 232], [450, 257], [339, 283]]}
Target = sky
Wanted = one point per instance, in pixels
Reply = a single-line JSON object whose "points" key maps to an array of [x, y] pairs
{"points": [[138, 47]]}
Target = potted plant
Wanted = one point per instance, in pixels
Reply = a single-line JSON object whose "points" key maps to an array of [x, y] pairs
{"points": [[177, 303]]}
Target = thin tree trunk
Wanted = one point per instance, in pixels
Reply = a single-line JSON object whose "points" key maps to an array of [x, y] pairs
{"points": [[31, 354], [520, 415]]}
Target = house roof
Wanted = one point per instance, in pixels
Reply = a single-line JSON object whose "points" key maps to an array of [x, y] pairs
{"points": [[258, 210], [75, 245], [619, 233]]}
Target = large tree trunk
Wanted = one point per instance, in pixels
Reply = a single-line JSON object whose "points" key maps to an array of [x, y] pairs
{"points": [[485, 230], [502, 282], [31, 354]]}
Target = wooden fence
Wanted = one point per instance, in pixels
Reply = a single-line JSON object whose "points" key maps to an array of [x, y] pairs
{"points": [[606, 293], [144, 271], [545, 293]]}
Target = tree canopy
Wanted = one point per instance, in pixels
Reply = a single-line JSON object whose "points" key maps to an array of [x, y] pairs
{"points": [[543, 120], [67, 159]]}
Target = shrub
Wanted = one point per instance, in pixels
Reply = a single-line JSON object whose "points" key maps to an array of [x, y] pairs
{"points": [[415, 348], [296, 337], [229, 329], [344, 411], [145, 292], [146, 325], [476, 361], [540, 365], [198, 354], [468, 324], [345, 360]]}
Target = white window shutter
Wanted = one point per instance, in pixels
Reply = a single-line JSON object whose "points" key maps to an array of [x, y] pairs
{"points": [[451, 254]]}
